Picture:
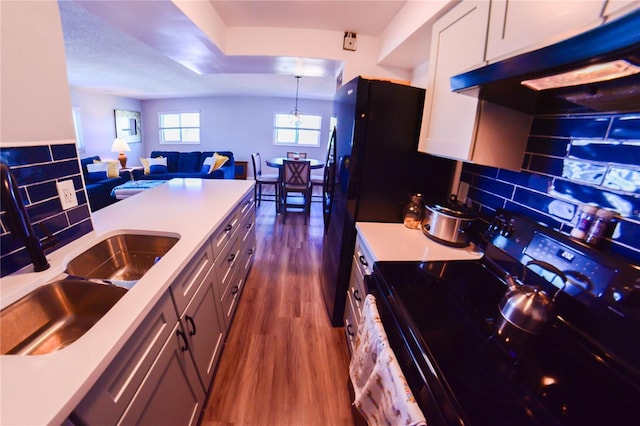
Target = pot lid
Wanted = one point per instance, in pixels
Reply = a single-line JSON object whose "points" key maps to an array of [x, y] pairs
{"points": [[453, 207]]}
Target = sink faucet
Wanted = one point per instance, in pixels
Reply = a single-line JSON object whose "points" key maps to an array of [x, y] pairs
{"points": [[17, 219]]}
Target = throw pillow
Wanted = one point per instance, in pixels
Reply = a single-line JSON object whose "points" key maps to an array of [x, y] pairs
{"points": [[97, 171], [206, 165], [158, 165], [210, 164], [219, 161], [112, 168], [146, 165]]}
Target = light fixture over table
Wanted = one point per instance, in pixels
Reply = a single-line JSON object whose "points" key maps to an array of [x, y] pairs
{"points": [[296, 114], [121, 146]]}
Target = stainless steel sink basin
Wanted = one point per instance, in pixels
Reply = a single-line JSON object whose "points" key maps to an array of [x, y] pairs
{"points": [[124, 257], [54, 316]]}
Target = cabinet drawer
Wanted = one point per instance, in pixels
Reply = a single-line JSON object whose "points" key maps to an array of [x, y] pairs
{"points": [[112, 393], [364, 258], [186, 285], [357, 292], [247, 226], [225, 232], [248, 252], [247, 204], [231, 295], [350, 326], [225, 266]]}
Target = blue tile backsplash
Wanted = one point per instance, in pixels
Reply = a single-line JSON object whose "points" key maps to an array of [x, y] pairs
{"points": [[37, 169], [571, 160]]}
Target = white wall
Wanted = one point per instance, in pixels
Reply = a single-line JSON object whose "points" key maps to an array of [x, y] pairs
{"points": [[98, 123], [35, 104], [242, 125]]}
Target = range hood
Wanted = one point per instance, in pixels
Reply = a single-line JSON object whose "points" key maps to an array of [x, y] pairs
{"points": [[616, 43]]}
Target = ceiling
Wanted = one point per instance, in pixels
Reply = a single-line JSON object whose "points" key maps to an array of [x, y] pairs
{"points": [[137, 48]]}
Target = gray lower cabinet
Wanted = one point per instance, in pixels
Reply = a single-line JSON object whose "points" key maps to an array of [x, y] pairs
{"points": [[127, 375], [171, 393]]}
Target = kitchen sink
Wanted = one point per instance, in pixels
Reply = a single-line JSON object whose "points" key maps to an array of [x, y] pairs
{"points": [[54, 315], [121, 258]]}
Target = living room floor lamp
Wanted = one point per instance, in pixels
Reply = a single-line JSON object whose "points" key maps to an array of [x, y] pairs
{"points": [[121, 146]]}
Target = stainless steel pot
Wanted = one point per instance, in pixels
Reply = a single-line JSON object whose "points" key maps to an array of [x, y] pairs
{"points": [[448, 223]]}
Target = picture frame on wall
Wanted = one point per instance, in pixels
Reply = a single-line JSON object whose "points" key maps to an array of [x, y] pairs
{"points": [[128, 125]]}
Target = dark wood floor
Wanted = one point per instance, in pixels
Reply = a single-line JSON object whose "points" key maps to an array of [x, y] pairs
{"points": [[283, 363]]}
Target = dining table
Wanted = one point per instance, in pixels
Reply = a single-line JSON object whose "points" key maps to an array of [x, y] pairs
{"points": [[278, 162]]}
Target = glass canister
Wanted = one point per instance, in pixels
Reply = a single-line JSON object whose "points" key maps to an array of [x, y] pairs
{"points": [[599, 227], [584, 219], [414, 211]]}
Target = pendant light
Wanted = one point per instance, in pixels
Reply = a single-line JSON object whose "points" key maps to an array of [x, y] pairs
{"points": [[296, 115]]}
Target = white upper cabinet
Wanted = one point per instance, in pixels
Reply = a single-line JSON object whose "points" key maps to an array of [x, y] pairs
{"points": [[518, 26], [617, 8], [457, 44]]}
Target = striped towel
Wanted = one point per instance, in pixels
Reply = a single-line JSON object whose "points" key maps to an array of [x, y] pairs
{"points": [[381, 392]]}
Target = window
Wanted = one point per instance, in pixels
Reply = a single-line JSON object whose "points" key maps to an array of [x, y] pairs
{"points": [[179, 127], [305, 133]]}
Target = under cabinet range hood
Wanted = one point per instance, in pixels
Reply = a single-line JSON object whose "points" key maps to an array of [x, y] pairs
{"points": [[598, 70]]}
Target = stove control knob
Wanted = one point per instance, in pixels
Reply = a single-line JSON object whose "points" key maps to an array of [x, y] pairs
{"points": [[628, 295], [508, 231], [617, 296]]}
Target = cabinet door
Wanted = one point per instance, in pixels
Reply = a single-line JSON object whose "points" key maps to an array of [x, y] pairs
{"points": [[618, 8], [110, 396], [204, 331], [171, 393], [457, 44], [518, 26]]}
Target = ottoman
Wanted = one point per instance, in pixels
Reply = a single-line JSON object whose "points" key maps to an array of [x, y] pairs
{"points": [[134, 187]]}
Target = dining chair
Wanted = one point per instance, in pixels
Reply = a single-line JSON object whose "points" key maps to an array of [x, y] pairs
{"points": [[264, 179], [317, 181], [292, 154], [296, 187]]}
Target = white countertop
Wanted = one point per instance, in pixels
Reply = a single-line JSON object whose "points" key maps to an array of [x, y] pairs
{"points": [[44, 389], [394, 241]]}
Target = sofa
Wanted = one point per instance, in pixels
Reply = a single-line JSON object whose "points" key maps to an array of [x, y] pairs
{"points": [[187, 165], [98, 186]]}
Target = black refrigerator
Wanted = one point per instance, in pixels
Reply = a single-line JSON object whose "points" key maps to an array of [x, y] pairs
{"points": [[374, 166]]}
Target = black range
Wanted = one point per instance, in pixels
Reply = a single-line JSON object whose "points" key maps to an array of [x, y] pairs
{"points": [[442, 318]]}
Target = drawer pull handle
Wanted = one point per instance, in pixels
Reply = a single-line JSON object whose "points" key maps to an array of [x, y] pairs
{"points": [[235, 290], [231, 258], [363, 260], [192, 332], [250, 252], [185, 347], [228, 228], [249, 225], [350, 330], [356, 295]]}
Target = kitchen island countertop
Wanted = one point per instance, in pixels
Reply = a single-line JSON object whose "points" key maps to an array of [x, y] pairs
{"points": [[44, 389]]}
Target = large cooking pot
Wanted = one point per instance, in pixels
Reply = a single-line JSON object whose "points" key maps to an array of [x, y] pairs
{"points": [[448, 223]]}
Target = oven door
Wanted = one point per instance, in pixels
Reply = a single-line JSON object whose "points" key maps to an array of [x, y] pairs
{"points": [[421, 376]]}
